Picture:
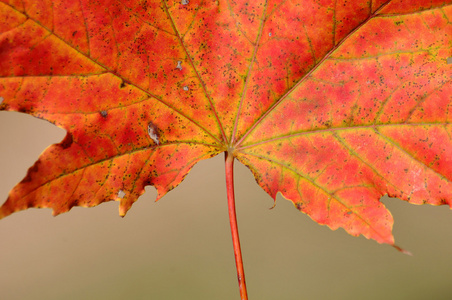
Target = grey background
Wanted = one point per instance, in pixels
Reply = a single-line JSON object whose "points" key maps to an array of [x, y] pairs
{"points": [[180, 247]]}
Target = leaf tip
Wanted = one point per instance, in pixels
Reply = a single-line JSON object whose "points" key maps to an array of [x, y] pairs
{"points": [[123, 204], [403, 250], [123, 210], [55, 213], [5, 209], [274, 204]]}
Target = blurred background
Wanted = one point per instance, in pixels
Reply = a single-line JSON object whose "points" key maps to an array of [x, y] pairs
{"points": [[180, 247]]}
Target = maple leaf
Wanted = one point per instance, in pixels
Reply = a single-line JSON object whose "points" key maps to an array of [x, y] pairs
{"points": [[331, 104]]}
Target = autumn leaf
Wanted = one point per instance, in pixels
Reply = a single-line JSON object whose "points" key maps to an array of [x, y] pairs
{"points": [[330, 103]]}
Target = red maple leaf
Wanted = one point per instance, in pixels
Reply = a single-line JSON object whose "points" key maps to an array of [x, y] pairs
{"points": [[331, 104]]}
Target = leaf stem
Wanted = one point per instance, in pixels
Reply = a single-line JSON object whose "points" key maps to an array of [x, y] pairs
{"points": [[229, 166]]}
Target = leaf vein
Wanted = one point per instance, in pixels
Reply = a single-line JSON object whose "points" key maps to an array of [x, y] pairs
{"points": [[212, 107], [319, 187]]}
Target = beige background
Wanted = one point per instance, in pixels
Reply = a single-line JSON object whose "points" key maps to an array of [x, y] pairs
{"points": [[180, 247]]}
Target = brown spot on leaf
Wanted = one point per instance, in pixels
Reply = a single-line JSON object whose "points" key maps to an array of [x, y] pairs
{"points": [[153, 133], [30, 172], [22, 110], [299, 205], [67, 142]]}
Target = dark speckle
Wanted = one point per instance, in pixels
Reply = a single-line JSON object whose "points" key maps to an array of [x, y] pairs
{"points": [[299, 205], [23, 110], [103, 113]]}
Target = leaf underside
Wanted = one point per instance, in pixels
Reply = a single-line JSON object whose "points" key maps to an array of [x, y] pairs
{"points": [[331, 103]]}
